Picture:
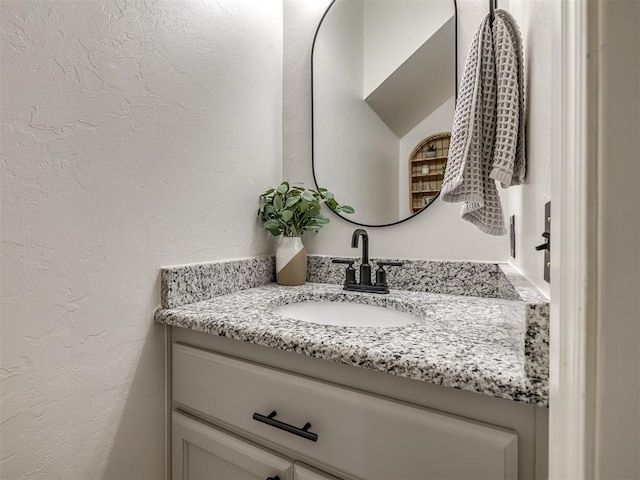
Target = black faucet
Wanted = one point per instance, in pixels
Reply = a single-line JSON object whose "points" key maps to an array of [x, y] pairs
{"points": [[365, 268], [365, 285]]}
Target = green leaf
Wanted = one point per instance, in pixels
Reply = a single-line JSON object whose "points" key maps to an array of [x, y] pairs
{"points": [[290, 208], [347, 209], [291, 201], [272, 224]]}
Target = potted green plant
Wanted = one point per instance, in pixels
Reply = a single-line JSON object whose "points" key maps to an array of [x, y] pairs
{"points": [[431, 150], [287, 211]]}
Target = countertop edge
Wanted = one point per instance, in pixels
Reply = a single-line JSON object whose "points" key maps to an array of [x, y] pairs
{"points": [[530, 389]]}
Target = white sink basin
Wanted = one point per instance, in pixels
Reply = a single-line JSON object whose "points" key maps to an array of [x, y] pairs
{"points": [[345, 314]]}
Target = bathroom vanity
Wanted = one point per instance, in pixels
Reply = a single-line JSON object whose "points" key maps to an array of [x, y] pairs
{"points": [[459, 393]]}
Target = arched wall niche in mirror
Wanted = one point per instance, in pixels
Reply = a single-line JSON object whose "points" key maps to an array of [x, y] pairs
{"points": [[427, 164], [384, 78]]}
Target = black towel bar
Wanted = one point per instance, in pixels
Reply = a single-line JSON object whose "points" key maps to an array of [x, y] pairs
{"points": [[493, 4]]}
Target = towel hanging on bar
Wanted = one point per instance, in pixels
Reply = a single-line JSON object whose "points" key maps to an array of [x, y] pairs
{"points": [[509, 151], [488, 138]]}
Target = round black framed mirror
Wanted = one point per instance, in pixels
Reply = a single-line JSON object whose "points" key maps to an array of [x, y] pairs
{"points": [[383, 81]]}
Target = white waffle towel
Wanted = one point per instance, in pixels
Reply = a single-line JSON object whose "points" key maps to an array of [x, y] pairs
{"points": [[488, 138], [509, 152]]}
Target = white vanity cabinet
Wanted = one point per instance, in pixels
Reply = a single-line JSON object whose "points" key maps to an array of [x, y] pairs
{"points": [[201, 451], [348, 433], [301, 472]]}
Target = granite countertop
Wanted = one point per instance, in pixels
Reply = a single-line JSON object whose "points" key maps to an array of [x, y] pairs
{"points": [[484, 345]]}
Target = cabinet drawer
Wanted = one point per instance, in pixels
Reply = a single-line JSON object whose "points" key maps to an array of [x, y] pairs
{"points": [[358, 434]]}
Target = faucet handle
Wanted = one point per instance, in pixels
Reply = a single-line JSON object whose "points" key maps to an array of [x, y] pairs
{"points": [[389, 264], [346, 261], [350, 272], [381, 273]]}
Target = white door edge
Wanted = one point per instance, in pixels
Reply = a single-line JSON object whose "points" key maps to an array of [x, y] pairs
{"points": [[574, 222]]}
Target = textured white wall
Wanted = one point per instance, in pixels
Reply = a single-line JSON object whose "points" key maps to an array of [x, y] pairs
{"points": [[536, 19], [134, 135], [437, 233]]}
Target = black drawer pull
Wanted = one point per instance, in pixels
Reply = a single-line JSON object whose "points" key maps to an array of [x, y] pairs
{"points": [[273, 478], [301, 432]]}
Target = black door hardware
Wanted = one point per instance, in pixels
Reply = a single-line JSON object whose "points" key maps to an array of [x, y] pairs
{"points": [[301, 432], [273, 478], [546, 246]]}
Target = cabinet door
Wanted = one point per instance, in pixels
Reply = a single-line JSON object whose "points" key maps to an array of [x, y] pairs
{"points": [[362, 435], [303, 472], [201, 452]]}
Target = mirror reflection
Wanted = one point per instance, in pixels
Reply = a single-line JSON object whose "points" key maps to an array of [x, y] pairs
{"points": [[384, 84]]}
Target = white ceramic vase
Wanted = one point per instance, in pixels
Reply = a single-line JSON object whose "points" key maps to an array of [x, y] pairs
{"points": [[291, 261]]}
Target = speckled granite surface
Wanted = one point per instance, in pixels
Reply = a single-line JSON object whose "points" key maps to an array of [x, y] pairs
{"points": [[455, 278], [185, 284], [536, 314], [513, 285], [497, 346]]}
